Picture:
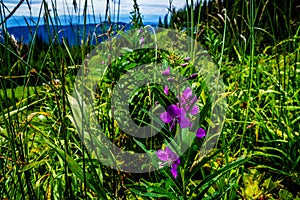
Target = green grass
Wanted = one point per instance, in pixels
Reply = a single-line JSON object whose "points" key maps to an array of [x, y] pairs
{"points": [[18, 92], [257, 155]]}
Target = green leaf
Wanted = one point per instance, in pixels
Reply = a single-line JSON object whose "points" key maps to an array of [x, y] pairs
{"points": [[78, 171], [209, 180], [126, 50], [32, 165], [285, 195], [154, 192]]}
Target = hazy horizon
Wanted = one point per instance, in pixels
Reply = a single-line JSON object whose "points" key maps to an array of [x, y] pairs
{"points": [[65, 9]]}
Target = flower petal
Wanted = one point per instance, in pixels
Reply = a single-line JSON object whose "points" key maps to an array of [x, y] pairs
{"points": [[166, 90], [194, 100], [166, 118], [174, 170], [184, 122], [201, 133], [172, 125], [172, 156], [142, 39], [187, 59], [162, 155], [166, 72], [195, 110], [192, 76], [187, 93], [173, 110], [184, 64], [177, 162], [171, 79]]}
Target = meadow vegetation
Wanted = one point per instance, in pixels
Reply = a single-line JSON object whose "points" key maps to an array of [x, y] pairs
{"points": [[254, 44]]}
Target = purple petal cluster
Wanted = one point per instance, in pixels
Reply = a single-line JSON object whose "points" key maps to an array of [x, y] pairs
{"points": [[166, 90], [169, 156], [184, 64], [187, 59], [166, 72], [193, 76], [142, 39], [188, 102], [201, 133], [180, 113], [175, 114]]}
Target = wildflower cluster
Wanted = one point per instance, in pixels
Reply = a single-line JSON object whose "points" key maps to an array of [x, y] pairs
{"points": [[181, 113], [169, 157]]}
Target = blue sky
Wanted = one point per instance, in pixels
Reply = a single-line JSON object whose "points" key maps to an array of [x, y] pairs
{"points": [[150, 11]]}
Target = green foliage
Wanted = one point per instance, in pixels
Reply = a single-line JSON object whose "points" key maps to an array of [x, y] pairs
{"points": [[273, 21], [256, 46]]}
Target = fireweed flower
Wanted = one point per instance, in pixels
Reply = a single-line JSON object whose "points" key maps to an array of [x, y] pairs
{"points": [[166, 90], [183, 64], [187, 100], [169, 157], [166, 72], [179, 112], [175, 114], [142, 39], [187, 59], [201, 133], [171, 79], [193, 76]]}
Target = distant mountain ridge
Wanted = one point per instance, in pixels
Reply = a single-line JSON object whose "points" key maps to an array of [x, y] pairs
{"points": [[70, 28], [72, 33]]}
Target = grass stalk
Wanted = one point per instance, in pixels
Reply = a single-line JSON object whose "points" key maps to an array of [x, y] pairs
{"points": [[251, 68]]}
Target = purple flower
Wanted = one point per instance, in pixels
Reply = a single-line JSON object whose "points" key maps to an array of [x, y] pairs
{"points": [[166, 72], [201, 133], [187, 100], [166, 90], [175, 114], [193, 76], [178, 112], [168, 156], [187, 59], [142, 39], [187, 93], [174, 166], [171, 79], [183, 64]]}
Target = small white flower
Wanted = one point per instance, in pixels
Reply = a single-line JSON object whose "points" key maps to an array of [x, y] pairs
{"points": [[42, 117], [56, 81]]}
